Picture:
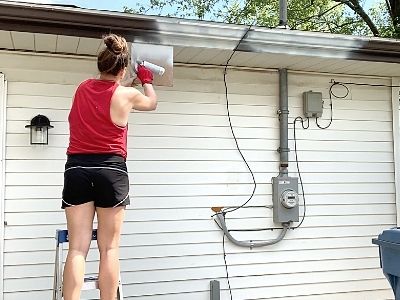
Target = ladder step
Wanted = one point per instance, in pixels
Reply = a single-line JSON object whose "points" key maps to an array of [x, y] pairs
{"points": [[90, 283]]}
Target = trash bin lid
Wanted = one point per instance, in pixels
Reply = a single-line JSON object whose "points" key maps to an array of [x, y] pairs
{"points": [[391, 235]]}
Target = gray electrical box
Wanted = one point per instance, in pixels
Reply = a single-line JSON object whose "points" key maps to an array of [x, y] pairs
{"points": [[285, 199], [312, 104]]}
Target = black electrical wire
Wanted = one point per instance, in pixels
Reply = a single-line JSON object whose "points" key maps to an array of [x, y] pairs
{"points": [[331, 93], [229, 209], [255, 229], [364, 84], [226, 266], [330, 121], [297, 165], [238, 148]]}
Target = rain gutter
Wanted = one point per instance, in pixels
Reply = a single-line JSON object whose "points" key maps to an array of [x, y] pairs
{"points": [[72, 21]]}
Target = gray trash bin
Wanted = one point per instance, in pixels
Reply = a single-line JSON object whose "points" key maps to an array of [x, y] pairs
{"points": [[389, 252]]}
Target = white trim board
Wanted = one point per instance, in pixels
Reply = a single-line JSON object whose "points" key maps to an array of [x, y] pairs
{"points": [[396, 145], [3, 97]]}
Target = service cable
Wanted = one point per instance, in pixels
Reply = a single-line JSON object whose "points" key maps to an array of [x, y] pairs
{"points": [[364, 84], [331, 93], [297, 164], [231, 209], [226, 265]]}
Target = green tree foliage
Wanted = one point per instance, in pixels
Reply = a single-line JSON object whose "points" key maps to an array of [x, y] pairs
{"points": [[335, 16], [197, 9]]}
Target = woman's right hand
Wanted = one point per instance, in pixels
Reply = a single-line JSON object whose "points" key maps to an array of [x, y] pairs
{"points": [[144, 75]]}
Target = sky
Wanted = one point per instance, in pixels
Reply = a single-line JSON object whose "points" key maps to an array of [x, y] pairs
{"points": [[118, 5]]}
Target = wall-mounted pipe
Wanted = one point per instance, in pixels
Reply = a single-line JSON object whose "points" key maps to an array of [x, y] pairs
{"points": [[283, 122], [283, 13], [215, 289], [250, 244]]}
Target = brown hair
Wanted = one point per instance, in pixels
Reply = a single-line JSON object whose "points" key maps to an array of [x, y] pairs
{"points": [[114, 57]]}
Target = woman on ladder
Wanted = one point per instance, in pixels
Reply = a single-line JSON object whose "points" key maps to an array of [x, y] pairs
{"points": [[96, 178]]}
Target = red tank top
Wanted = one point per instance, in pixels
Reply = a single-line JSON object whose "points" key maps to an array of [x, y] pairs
{"points": [[91, 128]]}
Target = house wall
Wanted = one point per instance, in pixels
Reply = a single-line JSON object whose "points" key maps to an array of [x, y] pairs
{"points": [[182, 161]]}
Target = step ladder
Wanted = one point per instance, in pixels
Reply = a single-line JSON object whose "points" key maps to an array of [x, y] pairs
{"points": [[90, 282]]}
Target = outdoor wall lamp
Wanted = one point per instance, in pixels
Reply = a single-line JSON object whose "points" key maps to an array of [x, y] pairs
{"points": [[39, 130]]}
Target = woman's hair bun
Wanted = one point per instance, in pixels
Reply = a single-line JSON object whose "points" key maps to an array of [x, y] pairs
{"points": [[115, 43], [115, 56]]}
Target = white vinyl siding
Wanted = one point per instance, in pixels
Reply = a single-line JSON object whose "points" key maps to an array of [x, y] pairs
{"points": [[182, 160]]}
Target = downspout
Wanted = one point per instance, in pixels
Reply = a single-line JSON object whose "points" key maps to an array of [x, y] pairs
{"points": [[283, 113]]}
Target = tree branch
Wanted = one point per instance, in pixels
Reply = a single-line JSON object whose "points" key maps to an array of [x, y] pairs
{"points": [[302, 21], [357, 8], [347, 23], [393, 7]]}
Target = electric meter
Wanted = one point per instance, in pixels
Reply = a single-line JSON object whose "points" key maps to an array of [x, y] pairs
{"points": [[285, 199], [289, 199]]}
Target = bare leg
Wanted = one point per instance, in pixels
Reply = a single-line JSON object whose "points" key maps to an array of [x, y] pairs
{"points": [[80, 224], [108, 239]]}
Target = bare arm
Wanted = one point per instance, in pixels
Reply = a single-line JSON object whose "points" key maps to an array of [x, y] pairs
{"points": [[145, 102]]}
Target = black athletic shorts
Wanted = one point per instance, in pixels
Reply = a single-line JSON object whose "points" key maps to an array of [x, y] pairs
{"points": [[102, 178]]}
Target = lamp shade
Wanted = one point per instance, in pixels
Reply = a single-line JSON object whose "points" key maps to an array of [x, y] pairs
{"points": [[40, 121]]}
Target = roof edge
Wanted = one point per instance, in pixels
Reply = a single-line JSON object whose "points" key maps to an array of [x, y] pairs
{"points": [[52, 19]]}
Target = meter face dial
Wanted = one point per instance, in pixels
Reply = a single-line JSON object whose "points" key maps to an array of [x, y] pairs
{"points": [[289, 199]]}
